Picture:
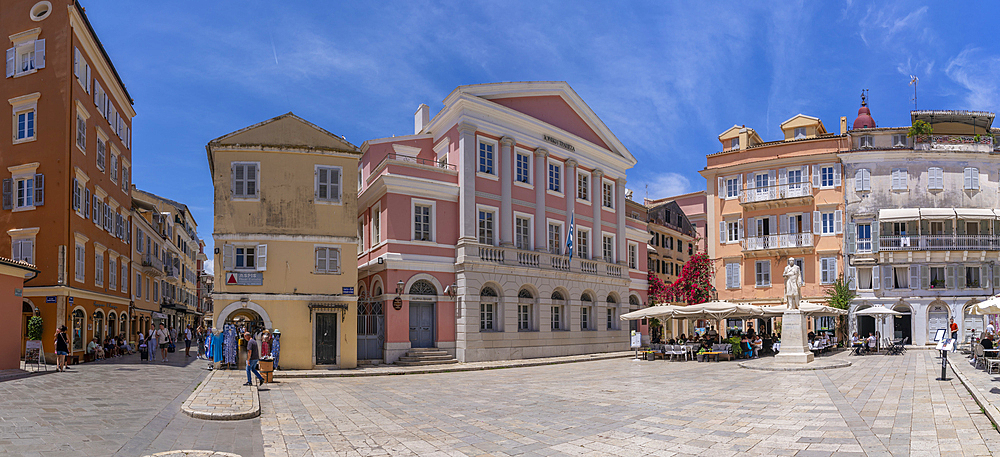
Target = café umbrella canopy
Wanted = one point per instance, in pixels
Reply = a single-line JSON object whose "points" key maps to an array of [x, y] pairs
{"points": [[658, 311], [879, 312], [808, 308], [989, 306], [717, 310]]}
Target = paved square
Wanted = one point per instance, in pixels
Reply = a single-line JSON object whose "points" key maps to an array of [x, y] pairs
{"points": [[880, 406]]}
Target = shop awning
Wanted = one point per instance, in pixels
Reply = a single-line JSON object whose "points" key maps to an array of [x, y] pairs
{"points": [[975, 213], [937, 213], [901, 214]]}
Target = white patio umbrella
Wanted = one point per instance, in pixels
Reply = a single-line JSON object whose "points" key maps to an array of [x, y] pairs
{"points": [[717, 310], [879, 312], [989, 306], [658, 311]]}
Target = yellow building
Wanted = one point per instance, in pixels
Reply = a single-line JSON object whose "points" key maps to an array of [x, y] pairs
{"points": [[285, 238]]}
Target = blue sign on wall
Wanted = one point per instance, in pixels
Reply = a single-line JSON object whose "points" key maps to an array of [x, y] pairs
{"points": [[348, 291], [50, 299]]}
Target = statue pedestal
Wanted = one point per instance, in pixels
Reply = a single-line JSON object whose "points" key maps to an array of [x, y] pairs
{"points": [[794, 343]]}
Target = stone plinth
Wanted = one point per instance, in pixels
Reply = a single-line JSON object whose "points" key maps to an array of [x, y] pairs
{"points": [[794, 343]]}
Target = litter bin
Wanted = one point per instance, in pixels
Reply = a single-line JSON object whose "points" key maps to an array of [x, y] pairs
{"points": [[266, 367]]}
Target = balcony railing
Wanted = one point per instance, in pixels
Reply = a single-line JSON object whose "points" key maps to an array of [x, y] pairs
{"points": [[776, 192], [784, 241], [417, 160], [517, 257], [864, 246], [954, 143], [939, 243]]}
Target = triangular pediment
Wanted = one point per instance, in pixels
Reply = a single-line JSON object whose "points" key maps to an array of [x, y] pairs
{"points": [[554, 103], [287, 130]]}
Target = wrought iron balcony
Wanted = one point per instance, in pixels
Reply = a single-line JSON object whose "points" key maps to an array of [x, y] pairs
{"points": [[152, 265], [939, 243], [778, 244], [776, 196], [953, 143]]}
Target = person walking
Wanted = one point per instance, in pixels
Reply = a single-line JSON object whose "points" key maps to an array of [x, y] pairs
{"points": [[199, 341], [62, 348], [163, 339], [187, 341], [253, 360], [954, 329]]}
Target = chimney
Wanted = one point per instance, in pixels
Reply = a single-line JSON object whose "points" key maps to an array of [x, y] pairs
{"points": [[843, 125], [421, 118]]}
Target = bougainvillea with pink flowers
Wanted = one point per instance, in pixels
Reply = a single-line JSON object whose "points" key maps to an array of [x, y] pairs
{"points": [[695, 283]]}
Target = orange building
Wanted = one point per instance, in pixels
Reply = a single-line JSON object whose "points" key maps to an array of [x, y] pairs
{"points": [[66, 164], [771, 201]]}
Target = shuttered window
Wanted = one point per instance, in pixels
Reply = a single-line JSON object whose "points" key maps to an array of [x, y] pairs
{"points": [[23, 249], [245, 180], [935, 178], [971, 178], [327, 260], [328, 184]]}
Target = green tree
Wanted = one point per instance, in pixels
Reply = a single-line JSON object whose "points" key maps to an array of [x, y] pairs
{"points": [[839, 295], [919, 128], [35, 328]]}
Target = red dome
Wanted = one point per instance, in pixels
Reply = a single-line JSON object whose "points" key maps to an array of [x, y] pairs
{"points": [[864, 120]]}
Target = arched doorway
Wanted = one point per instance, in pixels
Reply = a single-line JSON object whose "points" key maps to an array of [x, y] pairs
{"points": [[27, 311], [99, 326], [112, 324], [248, 312], [123, 325], [902, 326], [937, 318], [246, 320], [972, 324], [423, 297], [79, 331], [865, 324]]}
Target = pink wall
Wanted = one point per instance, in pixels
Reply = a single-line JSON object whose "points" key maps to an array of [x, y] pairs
{"points": [[10, 312], [555, 111]]}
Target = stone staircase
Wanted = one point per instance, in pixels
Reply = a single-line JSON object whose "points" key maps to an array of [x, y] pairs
{"points": [[417, 357]]}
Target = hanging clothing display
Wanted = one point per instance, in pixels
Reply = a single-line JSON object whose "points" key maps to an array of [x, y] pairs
{"points": [[229, 342], [275, 347], [217, 346]]}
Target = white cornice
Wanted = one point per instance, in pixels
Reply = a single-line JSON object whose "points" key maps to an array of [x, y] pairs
{"points": [[407, 185], [65, 291], [260, 297], [283, 237]]}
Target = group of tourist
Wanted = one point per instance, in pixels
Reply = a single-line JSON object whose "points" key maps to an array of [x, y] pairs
{"points": [[112, 346]]}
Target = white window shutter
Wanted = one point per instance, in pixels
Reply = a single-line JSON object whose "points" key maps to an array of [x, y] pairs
{"points": [[256, 180], [228, 257], [950, 279], [770, 177], [996, 276], [975, 178], [852, 278], [723, 238], [740, 232], [86, 81], [15, 250], [968, 178], [816, 182], [836, 175], [76, 63], [261, 257], [852, 234], [817, 223], [875, 282], [320, 259], [739, 184], [39, 54], [914, 277], [984, 278], [838, 222], [721, 188], [773, 225], [806, 225], [10, 62], [751, 227], [867, 180], [925, 278], [859, 180], [782, 176], [783, 224], [751, 183], [317, 182], [335, 184], [887, 274]]}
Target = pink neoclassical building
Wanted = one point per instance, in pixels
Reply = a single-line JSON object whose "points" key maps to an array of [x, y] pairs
{"points": [[465, 226]]}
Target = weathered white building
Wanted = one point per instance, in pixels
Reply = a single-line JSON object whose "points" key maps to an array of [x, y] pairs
{"points": [[923, 236]]}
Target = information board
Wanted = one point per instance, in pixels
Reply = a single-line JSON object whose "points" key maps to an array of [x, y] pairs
{"points": [[34, 354], [636, 340]]}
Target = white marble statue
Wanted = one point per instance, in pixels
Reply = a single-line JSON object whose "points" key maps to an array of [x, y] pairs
{"points": [[793, 281]]}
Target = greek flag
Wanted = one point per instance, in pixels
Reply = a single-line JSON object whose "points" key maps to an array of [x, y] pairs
{"points": [[569, 236]]}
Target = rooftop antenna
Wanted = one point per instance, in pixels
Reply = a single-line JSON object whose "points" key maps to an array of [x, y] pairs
{"points": [[644, 200], [913, 82]]}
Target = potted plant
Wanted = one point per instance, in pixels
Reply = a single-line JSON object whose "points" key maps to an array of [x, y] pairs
{"points": [[920, 130]]}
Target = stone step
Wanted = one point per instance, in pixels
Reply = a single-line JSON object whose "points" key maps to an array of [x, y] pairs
{"points": [[427, 353], [410, 358], [425, 362], [423, 350]]}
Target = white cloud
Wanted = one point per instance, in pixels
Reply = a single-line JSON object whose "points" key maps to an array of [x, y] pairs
{"points": [[663, 185], [210, 266], [976, 71]]}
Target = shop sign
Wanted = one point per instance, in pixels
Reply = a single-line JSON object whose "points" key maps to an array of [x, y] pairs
{"points": [[17, 292], [348, 291], [71, 300], [244, 279], [50, 299], [397, 303]]}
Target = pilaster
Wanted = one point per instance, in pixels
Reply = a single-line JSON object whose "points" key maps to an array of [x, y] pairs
{"points": [[506, 181], [620, 221], [541, 183], [596, 239], [467, 178]]}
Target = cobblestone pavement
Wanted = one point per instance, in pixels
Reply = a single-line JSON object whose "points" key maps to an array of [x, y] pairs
{"points": [[115, 407], [222, 396], [881, 405]]}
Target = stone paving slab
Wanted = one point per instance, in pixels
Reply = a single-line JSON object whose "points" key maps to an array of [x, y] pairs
{"points": [[984, 387], [825, 362], [222, 396], [390, 370]]}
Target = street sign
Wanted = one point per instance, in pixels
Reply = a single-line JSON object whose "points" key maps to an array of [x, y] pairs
{"points": [[244, 279], [17, 292], [348, 291], [50, 299]]}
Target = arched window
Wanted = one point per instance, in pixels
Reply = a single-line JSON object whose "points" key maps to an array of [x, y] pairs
{"points": [[99, 326], [112, 324], [79, 320], [558, 311], [525, 311], [612, 300], [524, 293], [423, 287], [556, 295], [488, 309], [612, 313], [633, 301], [586, 297]]}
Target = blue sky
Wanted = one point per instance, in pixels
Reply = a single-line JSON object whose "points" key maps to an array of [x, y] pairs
{"points": [[666, 77]]}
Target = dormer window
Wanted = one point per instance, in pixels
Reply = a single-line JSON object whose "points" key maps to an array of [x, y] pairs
{"points": [[866, 141], [734, 144], [800, 132]]}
